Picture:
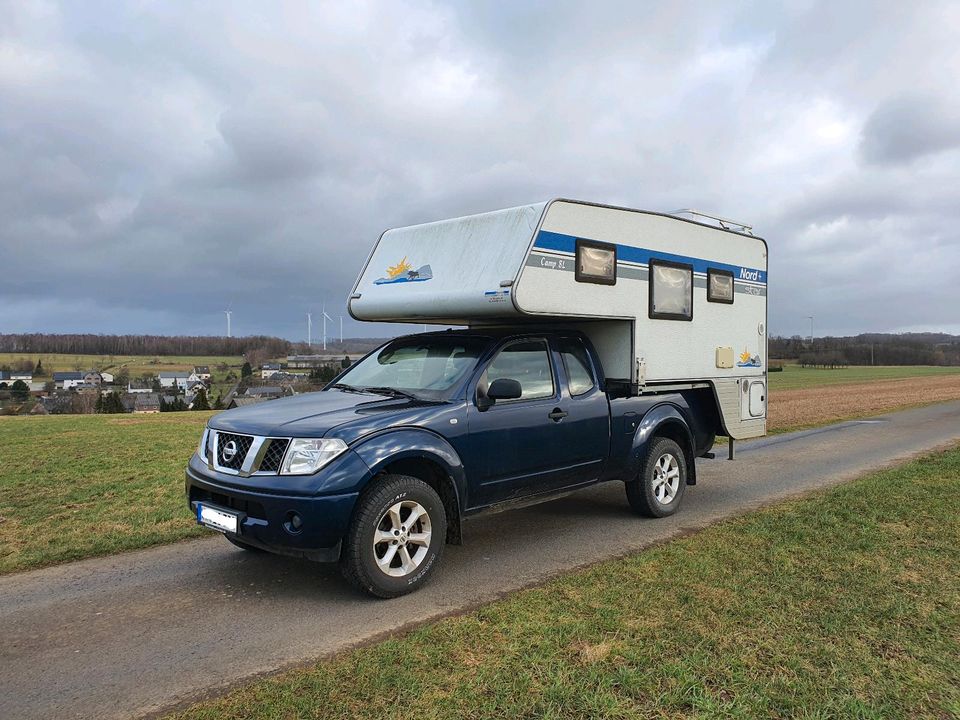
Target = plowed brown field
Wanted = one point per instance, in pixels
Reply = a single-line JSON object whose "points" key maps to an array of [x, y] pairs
{"points": [[791, 409]]}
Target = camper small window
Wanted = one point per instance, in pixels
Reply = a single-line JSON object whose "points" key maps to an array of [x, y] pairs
{"points": [[596, 262], [671, 290], [719, 286]]}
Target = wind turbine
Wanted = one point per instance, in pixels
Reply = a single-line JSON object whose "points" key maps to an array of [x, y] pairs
{"points": [[341, 329], [309, 329], [228, 313], [325, 318]]}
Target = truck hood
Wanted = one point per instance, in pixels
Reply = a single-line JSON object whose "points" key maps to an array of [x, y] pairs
{"points": [[316, 414]]}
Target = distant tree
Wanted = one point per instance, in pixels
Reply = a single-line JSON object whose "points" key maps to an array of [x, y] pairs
{"points": [[218, 405], [38, 371], [246, 371], [345, 363], [122, 376], [114, 404], [163, 405], [24, 365], [49, 386], [200, 400], [98, 406], [19, 391], [155, 385]]}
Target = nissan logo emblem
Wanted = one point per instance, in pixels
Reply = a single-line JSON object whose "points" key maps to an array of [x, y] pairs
{"points": [[229, 451]]}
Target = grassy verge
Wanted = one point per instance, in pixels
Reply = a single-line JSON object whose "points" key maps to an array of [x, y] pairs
{"points": [[77, 486], [845, 604]]}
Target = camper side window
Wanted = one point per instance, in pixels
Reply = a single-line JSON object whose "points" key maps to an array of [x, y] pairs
{"points": [[671, 290], [596, 262], [719, 286]]}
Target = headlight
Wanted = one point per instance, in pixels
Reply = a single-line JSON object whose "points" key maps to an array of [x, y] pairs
{"points": [[307, 455], [202, 447]]}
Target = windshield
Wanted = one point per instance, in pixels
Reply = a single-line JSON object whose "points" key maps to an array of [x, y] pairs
{"points": [[428, 367]]}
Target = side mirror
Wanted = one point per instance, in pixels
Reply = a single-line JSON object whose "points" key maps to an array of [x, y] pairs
{"points": [[504, 389]]}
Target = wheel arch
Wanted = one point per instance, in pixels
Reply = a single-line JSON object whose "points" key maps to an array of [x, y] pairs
{"points": [[426, 456], [664, 420]]}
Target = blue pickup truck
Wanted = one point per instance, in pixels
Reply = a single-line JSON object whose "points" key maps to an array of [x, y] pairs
{"points": [[378, 471]]}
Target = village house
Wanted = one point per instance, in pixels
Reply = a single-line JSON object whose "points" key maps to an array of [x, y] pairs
{"points": [[269, 370], [265, 391], [174, 379], [135, 387], [147, 403], [26, 376], [67, 380], [200, 372]]}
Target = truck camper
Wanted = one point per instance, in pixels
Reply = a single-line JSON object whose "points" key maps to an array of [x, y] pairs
{"points": [[592, 343]]}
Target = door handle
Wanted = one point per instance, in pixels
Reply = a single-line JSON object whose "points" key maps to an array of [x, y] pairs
{"points": [[557, 415]]}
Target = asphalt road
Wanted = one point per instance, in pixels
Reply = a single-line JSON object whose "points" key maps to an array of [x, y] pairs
{"points": [[132, 634]]}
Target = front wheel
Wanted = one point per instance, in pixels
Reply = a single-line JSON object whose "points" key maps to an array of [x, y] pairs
{"points": [[658, 489], [396, 537]]}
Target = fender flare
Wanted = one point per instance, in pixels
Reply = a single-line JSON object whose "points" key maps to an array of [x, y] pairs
{"points": [[655, 419], [381, 449]]}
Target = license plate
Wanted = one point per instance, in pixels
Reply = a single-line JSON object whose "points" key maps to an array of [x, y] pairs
{"points": [[216, 519]]}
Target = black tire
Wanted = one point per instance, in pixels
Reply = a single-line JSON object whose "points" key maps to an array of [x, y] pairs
{"points": [[243, 546], [362, 560], [643, 492]]}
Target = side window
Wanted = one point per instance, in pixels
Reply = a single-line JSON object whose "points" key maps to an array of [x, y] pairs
{"points": [[719, 286], [577, 363], [527, 362], [596, 262], [671, 290]]}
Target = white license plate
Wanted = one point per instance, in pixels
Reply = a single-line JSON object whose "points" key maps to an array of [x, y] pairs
{"points": [[216, 519]]}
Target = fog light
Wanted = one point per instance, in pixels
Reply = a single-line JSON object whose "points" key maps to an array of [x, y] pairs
{"points": [[294, 523]]}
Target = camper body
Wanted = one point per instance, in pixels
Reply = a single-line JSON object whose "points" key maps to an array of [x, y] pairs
{"points": [[594, 349], [520, 267]]}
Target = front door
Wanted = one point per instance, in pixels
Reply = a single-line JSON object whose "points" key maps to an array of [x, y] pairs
{"points": [[519, 447]]}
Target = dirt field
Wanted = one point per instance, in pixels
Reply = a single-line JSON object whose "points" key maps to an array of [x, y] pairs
{"points": [[792, 409]]}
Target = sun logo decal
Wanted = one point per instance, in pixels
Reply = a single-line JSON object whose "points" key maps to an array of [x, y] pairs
{"points": [[748, 360], [403, 272], [399, 269]]}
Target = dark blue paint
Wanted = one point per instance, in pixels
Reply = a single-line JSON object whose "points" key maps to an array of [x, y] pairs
{"points": [[503, 453]]}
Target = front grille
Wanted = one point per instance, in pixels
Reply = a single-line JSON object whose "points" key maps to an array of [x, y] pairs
{"points": [[235, 462], [273, 456]]}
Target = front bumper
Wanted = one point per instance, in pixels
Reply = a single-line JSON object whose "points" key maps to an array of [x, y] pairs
{"points": [[264, 516]]}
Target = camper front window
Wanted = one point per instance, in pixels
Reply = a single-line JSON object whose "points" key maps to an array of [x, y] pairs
{"points": [[671, 290], [596, 262]]}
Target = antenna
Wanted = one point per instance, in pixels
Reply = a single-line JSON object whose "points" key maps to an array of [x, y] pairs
{"points": [[325, 318], [228, 313], [309, 329]]}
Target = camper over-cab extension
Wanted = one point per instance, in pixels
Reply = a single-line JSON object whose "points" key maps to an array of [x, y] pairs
{"points": [[598, 344]]}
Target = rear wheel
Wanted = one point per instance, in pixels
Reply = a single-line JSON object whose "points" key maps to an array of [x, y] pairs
{"points": [[396, 537], [658, 490]]}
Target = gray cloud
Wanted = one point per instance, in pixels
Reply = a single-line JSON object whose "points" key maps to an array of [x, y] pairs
{"points": [[908, 127], [159, 163]]}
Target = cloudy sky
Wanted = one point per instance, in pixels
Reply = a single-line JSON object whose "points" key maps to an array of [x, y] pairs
{"points": [[160, 161]]}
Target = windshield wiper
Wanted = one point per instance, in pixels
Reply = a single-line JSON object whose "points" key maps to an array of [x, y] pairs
{"points": [[391, 391], [347, 388]]}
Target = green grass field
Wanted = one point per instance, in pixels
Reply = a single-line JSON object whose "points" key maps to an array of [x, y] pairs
{"points": [[73, 486], [79, 485], [796, 377], [842, 605]]}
